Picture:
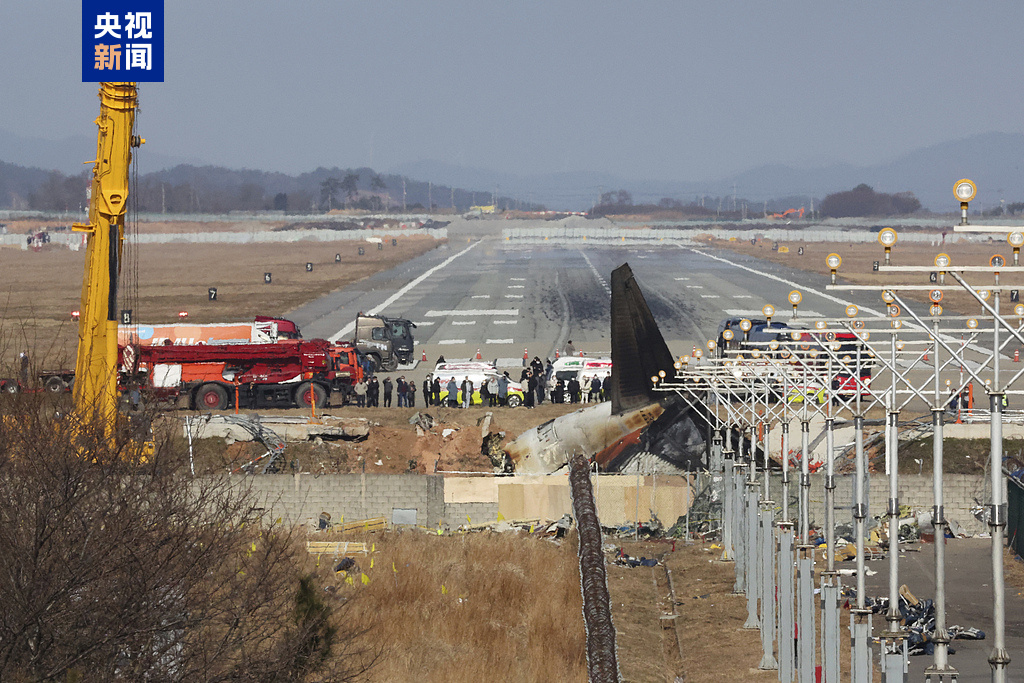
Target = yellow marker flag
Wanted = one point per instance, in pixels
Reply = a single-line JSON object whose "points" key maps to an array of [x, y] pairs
{"points": [[371, 563], [444, 591], [366, 579], [468, 520], [278, 520], [531, 528], [501, 517], [349, 581], [373, 547], [393, 568], [439, 532]]}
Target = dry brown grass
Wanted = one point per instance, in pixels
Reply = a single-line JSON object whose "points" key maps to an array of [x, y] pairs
{"points": [[479, 607], [40, 289]]}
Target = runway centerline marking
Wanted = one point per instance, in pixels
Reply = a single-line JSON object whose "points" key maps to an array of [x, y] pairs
{"points": [[499, 341], [463, 322], [345, 331], [472, 311], [480, 296], [513, 296], [449, 342], [505, 322]]}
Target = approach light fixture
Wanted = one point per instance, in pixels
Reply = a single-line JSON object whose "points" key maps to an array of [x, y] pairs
{"points": [[964, 190], [851, 311], [768, 311], [727, 335], [820, 324], [935, 310], [712, 344], [997, 261], [887, 296], [972, 324], [887, 238], [984, 294], [833, 261], [935, 296], [745, 325], [1018, 310], [942, 261], [1016, 240]]}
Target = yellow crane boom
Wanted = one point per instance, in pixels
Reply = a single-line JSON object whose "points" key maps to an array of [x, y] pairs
{"points": [[95, 391]]}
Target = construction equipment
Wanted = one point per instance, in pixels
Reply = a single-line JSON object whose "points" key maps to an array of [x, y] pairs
{"points": [[385, 341], [287, 374], [263, 330], [95, 389]]}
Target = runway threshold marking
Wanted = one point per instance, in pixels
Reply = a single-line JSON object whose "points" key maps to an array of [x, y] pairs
{"points": [[600, 280], [505, 322], [449, 342], [345, 331], [463, 322], [480, 296], [517, 286], [513, 296], [499, 341]]}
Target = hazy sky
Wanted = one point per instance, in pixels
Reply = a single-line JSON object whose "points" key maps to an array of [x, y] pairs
{"points": [[670, 90]]}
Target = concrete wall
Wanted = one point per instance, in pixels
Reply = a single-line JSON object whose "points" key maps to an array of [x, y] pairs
{"points": [[450, 500], [959, 490], [454, 500]]}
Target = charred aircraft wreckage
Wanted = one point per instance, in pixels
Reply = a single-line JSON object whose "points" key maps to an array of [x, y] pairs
{"points": [[638, 427]]}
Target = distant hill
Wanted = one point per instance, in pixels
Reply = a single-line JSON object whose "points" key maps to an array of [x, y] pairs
{"points": [[68, 154], [992, 160]]}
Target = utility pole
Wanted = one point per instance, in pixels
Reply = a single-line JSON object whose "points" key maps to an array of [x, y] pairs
{"points": [[453, 198], [163, 198], [430, 195], [403, 195]]}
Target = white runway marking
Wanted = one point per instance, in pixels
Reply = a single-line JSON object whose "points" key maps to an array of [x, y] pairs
{"points": [[709, 296], [345, 331], [517, 286], [505, 322], [513, 296], [480, 296], [423, 323], [517, 279], [499, 341], [600, 280], [475, 311], [742, 296], [780, 316], [695, 286], [682, 279], [463, 322], [448, 342]]}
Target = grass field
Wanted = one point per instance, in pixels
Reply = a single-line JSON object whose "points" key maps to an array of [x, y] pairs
{"points": [[39, 290]]}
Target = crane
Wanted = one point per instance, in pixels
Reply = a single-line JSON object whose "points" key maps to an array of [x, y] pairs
{"points": [[96, 371]]}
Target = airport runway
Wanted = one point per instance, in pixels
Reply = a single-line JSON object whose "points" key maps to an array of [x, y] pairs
{"points": [[506, 299]]}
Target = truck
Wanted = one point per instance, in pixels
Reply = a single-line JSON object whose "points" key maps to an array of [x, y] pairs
{"points": [[290, 373], [263, 330], [385, 341]]}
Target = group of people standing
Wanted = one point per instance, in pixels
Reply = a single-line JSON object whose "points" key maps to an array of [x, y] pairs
{"points": [[540, 382], [367, 393]]}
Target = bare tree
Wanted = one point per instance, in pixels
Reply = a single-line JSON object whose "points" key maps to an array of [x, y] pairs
{"points": [[114, 566], [350, 185], [329, 189]]}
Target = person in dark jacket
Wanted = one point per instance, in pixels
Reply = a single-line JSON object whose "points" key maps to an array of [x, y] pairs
{"points": [[503, 389], [531, 389], [574, 390], [388, 388], [402, 387], [595, 389], [373, 393], [558, 395], [435, 390], [453, 393], [426, 391], [410, 394]]}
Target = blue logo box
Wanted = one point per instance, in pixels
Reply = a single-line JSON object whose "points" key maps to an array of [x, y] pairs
{"points": [[123, 41]]}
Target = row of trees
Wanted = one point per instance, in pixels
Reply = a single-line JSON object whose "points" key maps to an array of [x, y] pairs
{"points": [[619, 202], [864, 201], [330, 188]]}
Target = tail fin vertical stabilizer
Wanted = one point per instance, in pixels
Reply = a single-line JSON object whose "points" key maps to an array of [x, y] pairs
{"points": [[638, 349]]}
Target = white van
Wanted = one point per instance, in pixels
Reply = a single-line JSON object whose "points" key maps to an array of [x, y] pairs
{"points": [[578, 367], [478, 375]]}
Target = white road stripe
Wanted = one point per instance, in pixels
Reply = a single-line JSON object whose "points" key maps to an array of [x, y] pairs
{"points": [[345, 331], [499, 341], [463, 322], [517, 279], [517, 286], [742, 296], [682, 279], [480, 296], [709, 296], [472, 311], [448, 342], [513, 296], [782, 316], [505, 322], [423, 323], [695, 286]]}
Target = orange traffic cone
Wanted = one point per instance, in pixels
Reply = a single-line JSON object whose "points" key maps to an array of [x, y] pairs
{"points": [[1016, 355], [424, 355], [925, 359], [557, 355], [526, 356], [478, 356]]}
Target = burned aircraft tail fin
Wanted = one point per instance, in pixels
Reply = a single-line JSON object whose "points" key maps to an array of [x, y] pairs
{"points": [[638, 349]]}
